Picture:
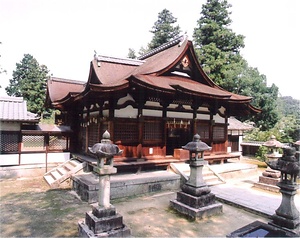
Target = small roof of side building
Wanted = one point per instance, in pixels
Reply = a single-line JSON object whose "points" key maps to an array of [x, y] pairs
{"points": [[235, 124], [15, 109]]}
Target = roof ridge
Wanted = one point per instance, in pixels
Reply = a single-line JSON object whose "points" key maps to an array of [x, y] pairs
{"points": [[66, 80], [129, 61], [163, 47], [11, 99]]}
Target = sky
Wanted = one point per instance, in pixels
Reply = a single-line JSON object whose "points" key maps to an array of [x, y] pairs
{"points": [[64, 34]]}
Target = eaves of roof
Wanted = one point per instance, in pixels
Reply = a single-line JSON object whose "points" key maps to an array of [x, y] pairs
{"points": [[185, 85], [59, 89]]}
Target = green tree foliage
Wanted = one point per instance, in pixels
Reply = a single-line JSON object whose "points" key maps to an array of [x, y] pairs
{"points": [[218, 49], [29, 81], [131, 54], [164, 29], [289, 106], [289, 117]]}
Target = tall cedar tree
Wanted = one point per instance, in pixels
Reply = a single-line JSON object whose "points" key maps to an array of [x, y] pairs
{"points": [[29, 82], [164, 29], [217, 46], [218, 49]]}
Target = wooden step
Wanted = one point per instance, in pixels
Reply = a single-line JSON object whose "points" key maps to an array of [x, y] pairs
{"points": [[68, 166], [49, 179], [62, 172], [55, 174]]}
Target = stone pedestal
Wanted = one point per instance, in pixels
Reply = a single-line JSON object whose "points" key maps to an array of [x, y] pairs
{"points": [[103, 222], [287, 214], [196, 200], [268, 180]]}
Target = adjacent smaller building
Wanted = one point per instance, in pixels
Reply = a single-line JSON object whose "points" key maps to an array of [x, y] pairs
{"points": [[236, 130], [24, 141]]}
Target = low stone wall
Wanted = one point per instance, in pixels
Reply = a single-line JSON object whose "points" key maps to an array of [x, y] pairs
{"points": [[87, 185]]}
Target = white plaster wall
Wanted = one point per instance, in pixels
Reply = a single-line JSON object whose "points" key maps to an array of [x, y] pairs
{"points": [[152, 113], [9, 159], [127, 112], [240, 142], [125, 99], [36, 158], [105, 113], [203, 117], [153, 104], [10, 126], [179, 115], [58, 157], [219, 119]]}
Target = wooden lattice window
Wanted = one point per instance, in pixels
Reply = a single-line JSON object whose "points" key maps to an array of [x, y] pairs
{"points": [[33, 142], [9, 141], [83, 137], [152, 131], [58, 142], [219, 132], [93, 134], [203, 130], [126, 131]]}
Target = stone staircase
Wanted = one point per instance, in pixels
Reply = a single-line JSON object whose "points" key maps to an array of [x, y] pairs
{"points": [[62, 172], [209, 175]]}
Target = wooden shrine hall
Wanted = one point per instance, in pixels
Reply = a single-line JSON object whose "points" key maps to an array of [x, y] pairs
{"points": [[151, 106]]}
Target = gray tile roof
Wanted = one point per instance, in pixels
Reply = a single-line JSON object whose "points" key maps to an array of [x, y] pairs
{"points": [[234, 124], [15, 109]]}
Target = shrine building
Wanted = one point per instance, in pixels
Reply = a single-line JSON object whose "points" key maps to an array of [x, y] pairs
{"points": [[151, 106]]}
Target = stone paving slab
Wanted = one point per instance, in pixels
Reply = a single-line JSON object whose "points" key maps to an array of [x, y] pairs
{"points": [[255, 200]]}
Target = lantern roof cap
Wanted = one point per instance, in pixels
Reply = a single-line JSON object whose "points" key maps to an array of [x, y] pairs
{"points": [[273, 143], [196, 145]]}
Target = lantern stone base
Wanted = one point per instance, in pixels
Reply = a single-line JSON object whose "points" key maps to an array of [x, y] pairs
{"points": [[103, 222], [196, 206], [268, 180]]}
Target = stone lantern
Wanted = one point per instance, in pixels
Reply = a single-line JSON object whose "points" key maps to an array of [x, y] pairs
{"points": [[196, 200], [273, 146], [269, 178], [287, 214], [285, 222], [103, 220]]}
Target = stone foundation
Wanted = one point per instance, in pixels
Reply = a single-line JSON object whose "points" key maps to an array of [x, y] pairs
{"points": [[103, 222], [196, 206], [87, 185], [268, 183]]}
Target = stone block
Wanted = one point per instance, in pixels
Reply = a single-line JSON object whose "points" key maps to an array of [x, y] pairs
{"points": [[196, 202], [103, 224], [84, 231], [269, 180], [194, 213]]}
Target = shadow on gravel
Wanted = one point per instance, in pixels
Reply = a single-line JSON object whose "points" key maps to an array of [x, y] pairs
{"points": [[53, 213]]}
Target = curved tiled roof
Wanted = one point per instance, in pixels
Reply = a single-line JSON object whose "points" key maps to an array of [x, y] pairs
{"points": [[173, 83], [59, 88], [155, 71]]}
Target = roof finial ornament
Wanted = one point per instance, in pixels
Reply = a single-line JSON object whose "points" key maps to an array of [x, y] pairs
{"points": [[183, 38], [95, 54]]}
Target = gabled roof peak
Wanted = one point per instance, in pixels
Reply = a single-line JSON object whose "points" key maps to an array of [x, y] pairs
{"points": [[165, 46]]}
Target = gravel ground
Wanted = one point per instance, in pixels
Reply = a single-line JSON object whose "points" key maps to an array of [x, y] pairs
{"points": [[30, 209]]}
